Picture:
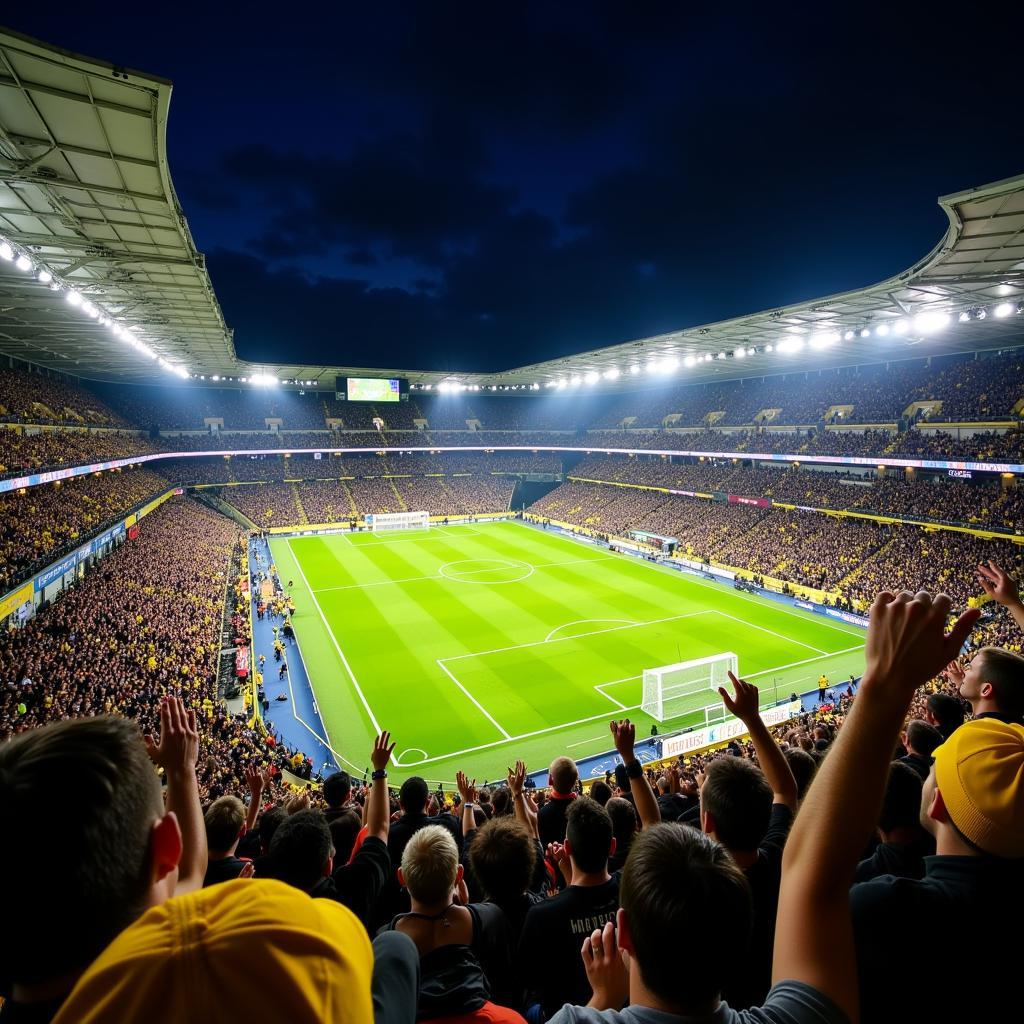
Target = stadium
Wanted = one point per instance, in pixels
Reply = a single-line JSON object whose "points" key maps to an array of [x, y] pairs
{"points": [[279, 562]]}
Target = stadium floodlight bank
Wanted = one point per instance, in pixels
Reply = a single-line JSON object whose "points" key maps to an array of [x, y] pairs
{"points": [[669, 689], [381, 521]]}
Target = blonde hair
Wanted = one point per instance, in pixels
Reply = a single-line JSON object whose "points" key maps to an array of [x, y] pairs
{"points": [[430, 864]]}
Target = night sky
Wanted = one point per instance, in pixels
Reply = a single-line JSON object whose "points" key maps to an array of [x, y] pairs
{"points": [[477, 186]]}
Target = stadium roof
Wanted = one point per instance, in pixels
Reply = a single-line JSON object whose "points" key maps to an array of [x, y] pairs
{"points": [[86, 196]]}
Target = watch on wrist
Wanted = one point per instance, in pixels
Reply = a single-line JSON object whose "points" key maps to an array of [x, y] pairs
{"points": [[635, 770], [379, 773]]}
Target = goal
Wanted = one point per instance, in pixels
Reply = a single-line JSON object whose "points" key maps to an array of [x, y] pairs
{"points": [[670, 690], [379, 521]]}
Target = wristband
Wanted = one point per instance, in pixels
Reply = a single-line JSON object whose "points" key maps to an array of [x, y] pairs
{"points": [[379, 773], [635, 770]]}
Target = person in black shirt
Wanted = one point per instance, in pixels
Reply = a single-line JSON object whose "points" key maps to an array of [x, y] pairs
{"points": [[563, 776], [302, 853], [904, 843], [920, 739], [750, 810], [549, 946], [338, 794], [225, 826]]}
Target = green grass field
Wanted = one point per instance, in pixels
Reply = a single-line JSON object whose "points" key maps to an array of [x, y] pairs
{"points": [[478, 644]]}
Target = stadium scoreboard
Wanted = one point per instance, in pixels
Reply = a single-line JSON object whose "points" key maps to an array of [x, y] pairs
{"points": [[371, 389]]}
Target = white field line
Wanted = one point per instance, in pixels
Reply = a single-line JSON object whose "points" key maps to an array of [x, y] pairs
{"points": [[577, 636], [579, 622], [806, 661], [338, 757], [334, 640], [439, 576], [462, 531], [599, 689], [479, 706], [583, 743], [781, 636]]}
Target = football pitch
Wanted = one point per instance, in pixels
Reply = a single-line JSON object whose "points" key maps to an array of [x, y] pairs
{"points": [[477, 644]]}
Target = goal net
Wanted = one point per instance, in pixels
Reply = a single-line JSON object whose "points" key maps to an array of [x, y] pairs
{"points": [[380, 521], [672, 690]]}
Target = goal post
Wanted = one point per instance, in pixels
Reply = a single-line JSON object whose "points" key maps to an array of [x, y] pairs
{"points": [[380, 521], [669, 690]]}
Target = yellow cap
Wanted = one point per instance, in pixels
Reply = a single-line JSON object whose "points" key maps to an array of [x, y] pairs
{"points": [[243, 950], [980, 773]]}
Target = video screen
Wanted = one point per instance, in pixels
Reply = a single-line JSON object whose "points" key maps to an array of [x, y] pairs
{"points": [[373, 389]]}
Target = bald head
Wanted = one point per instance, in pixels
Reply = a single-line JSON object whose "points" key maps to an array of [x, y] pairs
{"points": [[563, 775]]}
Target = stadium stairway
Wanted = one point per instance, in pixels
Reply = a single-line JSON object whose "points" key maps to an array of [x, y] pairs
{"points": [[303, 517], [402, 506]]}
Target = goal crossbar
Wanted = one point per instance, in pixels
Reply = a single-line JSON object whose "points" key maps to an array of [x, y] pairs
{"points": [[668, 690]]}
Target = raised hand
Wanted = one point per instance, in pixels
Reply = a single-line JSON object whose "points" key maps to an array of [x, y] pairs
{"points": [[955, 673], [467, 788], [382, 750], [606, 972], [516, 778], [624, 734], [907, 642], [177, 747], [997, 584], [248, 870], [744, 704], [297, 802], [255, 780]]}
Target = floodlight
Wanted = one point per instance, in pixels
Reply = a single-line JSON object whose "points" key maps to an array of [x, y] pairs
{"points": [[900, 327], [928, 323], [592, 377], [848, 336], [882, 330], [739, 353], [612, 373], [1004, 309], [865, 333], [690, 361], [6, 252], [575, 382], [23, 262], [74, 298]]}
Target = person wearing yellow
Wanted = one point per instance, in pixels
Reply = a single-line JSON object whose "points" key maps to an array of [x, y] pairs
{"points": [[822, 686]]}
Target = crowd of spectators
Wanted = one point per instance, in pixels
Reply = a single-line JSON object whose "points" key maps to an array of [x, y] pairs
{"points": [[23, 453], [939, 498], [801, 851], [851, 557], [28, 397], [39, 524]]}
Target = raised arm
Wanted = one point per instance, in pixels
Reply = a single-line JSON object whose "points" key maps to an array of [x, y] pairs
{"points": [[906, 647], [176, 750], [624, 734], [744, 705], [524, 810], [255, 781], [378, 806], [467, 793], [1000, 587]]}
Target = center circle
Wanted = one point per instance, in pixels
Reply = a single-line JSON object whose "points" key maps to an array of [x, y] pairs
{"points": [[486, 570]]}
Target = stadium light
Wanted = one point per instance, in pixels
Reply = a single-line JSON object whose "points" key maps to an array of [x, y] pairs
{"points": [[575, 382], [592, 377], [612, 373], [865, 333], [740, 353], [848, 336], [882, 331], [653, 366], [6, 252], [769, 348], [790, 345], [670, 365], [1004, 309], [721, 355], [562, 384], [901, 327], [23, 262], [635, 368], [930, 322], [823, 340], [74, 298], [690, 361]]}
